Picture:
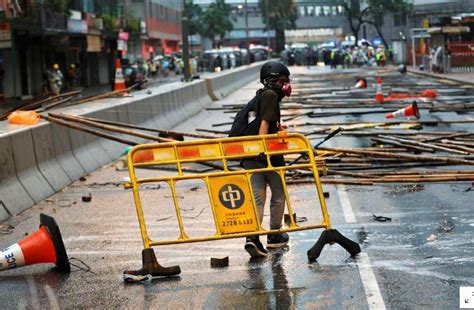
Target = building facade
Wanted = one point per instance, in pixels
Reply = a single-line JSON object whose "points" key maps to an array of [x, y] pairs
{"points": [[91, 34], [318, 21]]}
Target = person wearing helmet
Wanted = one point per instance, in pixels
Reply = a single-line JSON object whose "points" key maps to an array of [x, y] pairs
{"points": [[275, 77], [56, 81], [71, 76]]}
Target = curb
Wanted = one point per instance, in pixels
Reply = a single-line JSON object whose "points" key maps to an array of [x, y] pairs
{"points": [[439, 77]]}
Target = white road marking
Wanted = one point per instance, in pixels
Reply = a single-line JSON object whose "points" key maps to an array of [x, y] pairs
{"points": [[367, 276], [372, 290], [35, 304], [53, 300], [345, 204]]}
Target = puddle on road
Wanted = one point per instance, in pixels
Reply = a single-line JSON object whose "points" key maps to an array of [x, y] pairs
{"points": [[405, 189]]}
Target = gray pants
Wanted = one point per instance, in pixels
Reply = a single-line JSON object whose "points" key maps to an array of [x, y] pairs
{"points": [[259, 186]]}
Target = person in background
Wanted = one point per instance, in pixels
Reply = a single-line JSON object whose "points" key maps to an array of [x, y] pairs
{"points": [[56, 80], [71, 76]]}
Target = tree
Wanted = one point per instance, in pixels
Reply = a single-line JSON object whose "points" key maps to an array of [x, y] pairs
{"points": [[281, 15], [354, 16], [216, 20], [372, 14], [194, 14], [378, 9]]}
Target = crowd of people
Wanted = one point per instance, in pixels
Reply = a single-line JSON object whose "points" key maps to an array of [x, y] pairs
{"points": [[346, 57]]}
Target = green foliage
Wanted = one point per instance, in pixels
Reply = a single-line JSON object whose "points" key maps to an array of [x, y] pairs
{"points": [[193, 12], [110, 22], [59, 6], [216, 20], [132, 25], [281, 15]]}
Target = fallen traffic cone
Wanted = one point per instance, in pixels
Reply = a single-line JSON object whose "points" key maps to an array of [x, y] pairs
{"points": [[411, 110], [43, 246], [361, 83], [379, 92], [429, 93], [119, 80]]}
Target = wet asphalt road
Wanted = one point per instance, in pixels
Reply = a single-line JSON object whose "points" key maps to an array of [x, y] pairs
{"points": [[418, 260]]}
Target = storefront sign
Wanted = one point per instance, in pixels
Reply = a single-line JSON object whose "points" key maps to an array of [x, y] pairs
{"points": [[123, 36], [121, 45], [142, 27], [93, 44], [76, 26]]}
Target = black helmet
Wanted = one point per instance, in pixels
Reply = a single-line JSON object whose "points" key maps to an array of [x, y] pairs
{"points": [[273, 69]]}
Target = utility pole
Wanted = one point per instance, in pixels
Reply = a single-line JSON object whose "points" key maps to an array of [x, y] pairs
{"points": [[247, 43], [267, 24], [14, 51], [185, 39]]}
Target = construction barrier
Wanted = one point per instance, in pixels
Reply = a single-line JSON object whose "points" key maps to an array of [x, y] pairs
{"points": [[231, 198], [40, 159]]}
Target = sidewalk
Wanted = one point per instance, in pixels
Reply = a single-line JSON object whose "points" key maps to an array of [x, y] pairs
{"points": [[461, 77]]}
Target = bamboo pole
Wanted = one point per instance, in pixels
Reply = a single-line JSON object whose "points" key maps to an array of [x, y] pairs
{"points": [[88, 130], [111, 137], [454, 135], [401, 144], [422, 144], [401, 156], [52, 105], [30, 105], [106, 95], [458, 147], [39, 103], [458, 143], [168, 132], [110, 128], [349, 181]]}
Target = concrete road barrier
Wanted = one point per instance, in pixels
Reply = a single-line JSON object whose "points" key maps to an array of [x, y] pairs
{"points": [[13, 196], [224, 83], [38, 160], [46, 157], [64, 154], [26, 166]]}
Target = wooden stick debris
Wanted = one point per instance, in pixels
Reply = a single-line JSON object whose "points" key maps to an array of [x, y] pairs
{"points": [[167, 132], [88, 130], [400, 156], [110, 128], [426, 145]]}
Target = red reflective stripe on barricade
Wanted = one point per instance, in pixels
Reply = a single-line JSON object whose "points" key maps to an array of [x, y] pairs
{"points": [[276, 145], [188, 152], [142, 156], [233, 148]]}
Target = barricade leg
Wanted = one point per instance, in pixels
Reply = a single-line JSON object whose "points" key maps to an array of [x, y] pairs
{"points": [[152, 267], [332, 236]]}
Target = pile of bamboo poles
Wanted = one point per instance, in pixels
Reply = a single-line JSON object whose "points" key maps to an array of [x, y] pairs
{"points": [[401, 151], [43, 104], [91, 126]]}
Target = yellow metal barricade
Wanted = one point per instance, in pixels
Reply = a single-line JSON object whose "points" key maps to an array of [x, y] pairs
{"points": [[230, 192]]}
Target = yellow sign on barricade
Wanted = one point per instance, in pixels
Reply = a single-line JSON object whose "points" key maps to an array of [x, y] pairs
{"points": [[231, 198]]}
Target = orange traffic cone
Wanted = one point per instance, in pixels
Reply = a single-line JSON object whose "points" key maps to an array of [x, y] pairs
{"points": [[119, 80], [411, 110], [361, 83], [43, 246], [379, 92]]}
